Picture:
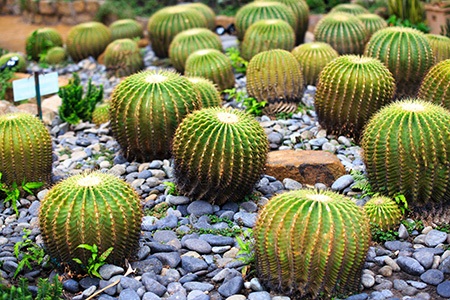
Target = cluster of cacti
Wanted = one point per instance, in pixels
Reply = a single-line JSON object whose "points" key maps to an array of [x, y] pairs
{"points": [[383, 212], [206, 11], [21, 65], [350, 90], [265, 35], [207, 90], [435, 86], [41, 40], [123, 57], [146, 108], [440, 45], [189, 41], [372, 23], [344, 32], [213, 65], [90, 208], [87, 39], [126, 29], [275, 76], [166, 23], [350, 8], [25, 149], [405, 151], [219, 154], [100, 114], [407, 54], [311, 244], [313, 57], [262, 10], [56, 55]]}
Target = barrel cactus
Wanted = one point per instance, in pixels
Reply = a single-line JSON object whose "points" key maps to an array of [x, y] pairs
{"points": [[56, 55], [25, 149], [372, 23], [87, 39], [440, 45], [207, 90], [344, 32], [91, 208], [313, 57], [266, 35], [219, 154], [146, 108], [100, 114], [40, 40], [350, 8], [407, 54], [383, 212], [435, 86], [213, 65], [351, 89], [123, 57], [166, 23], [311, 244], [126, 29], [22, 64], [275, 76], [206, 11], [189, 41]]}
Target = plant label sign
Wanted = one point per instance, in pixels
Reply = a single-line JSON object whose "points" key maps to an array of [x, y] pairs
{"points": [[26, 88]]}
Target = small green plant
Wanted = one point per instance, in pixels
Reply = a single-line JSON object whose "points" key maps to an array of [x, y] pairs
{"points": [[49, 291], [251, 105], [213, 219], [46, 290], [158, 211], [171, 188], [361, 183], [5, 81], [413, 225], [246, 252], [401, 202], [395, 21], [19, 292], [95, 261], [28, 253], [239, 64], [381, 236]]}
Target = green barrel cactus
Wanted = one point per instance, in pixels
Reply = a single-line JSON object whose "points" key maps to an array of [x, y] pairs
{"points": [[40, 40], [435, 86], [311, 244], [313, 57], [372, 23], [344, 32], [440, 45], [91, 208], [219, 154], [207, 90], [262, 10], [350, 90], [275, 76], [56, 55], [100, 114], [189, 41], [87, 39], [25, 149], [123, 57], [383, 213], [350, 8], [206, 11], [166, 23], [407, 54], [405, 148], [126, 29], [266, 35], [213, 65], [21, 66], [146, 108]]}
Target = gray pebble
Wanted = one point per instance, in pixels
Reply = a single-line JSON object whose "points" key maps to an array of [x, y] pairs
{"points": [[197, 295], [443, 289], [199, 208], [432, 276], [195, 285], [129, 294], [177, 200], [231, 287], [435, 237], [151, 285], [191, 264], [198, 245], [410, 265], [263, 295], [245, 218], [342, 182], [107, 271]]}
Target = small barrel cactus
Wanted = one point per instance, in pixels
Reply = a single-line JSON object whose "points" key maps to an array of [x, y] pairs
{"points": [[266, 35], [350, 8], [383, 212], [313, 57], [440, 45], [206, 11], [275, 76], [311, 244], [126, 29], [372, 23], [213, 65], [100, 114], [123, 57], [207, 90], [87, 39], [166, 23], [351, 89], [435, 86], [146, 108], [40, 40], [91, 208], [219, 154], [56, 55], [189, 41], [25, 149], [407, 54], [20, 67], [344, 32]]}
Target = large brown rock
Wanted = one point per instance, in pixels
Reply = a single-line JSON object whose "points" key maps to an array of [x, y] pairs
{"points": [[307, 167]]}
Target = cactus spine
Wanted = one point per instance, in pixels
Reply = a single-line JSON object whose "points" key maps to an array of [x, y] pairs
{"points": [[372, 23], [219, 154], [21, 66], [207, 90], [383, 213], [40, 40], [440, 45], [123, 57], [435, 86], [126, 29], [56, 55], [206, 11], [91, 208], [310, 243], [350, 8]]}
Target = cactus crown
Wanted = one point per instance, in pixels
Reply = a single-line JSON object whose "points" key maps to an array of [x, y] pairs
{"points": [[383, 212], [440, 45], [123, 57], [209, 94], [126, 29], [435, 86], [350, 8]]}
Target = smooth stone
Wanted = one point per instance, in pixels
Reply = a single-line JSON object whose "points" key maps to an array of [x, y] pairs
{"points": [[71, 286], [291, 184], [129, 294], [367, 280], [197, 295], [397, 245], [87, 282], [191, 264], [111, 290], [443, 289], [171, 221], [195, 285], [153, 286], [403, 232], [171, 259], [34, 208], [198, 245], [177, 200], [237, 297], [410, 265], [249, 206], [400, 284], [425, 258], [432, 276], [88, 292], [362, 296], [246, 219], [107, 271], [342, 182], [232, 286], [217, 240], [435, 237], [263, 295], [199, 208], [149, 265], [444, 266], [130, 283], [386, 271], [255, 285], [417, 284], [150, 296]]}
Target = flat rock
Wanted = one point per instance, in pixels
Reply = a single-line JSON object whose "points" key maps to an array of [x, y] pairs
{"points": [[432, 276], [410, 265]]}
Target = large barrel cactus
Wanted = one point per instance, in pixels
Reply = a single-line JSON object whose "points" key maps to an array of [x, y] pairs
{"points": [[56, 55], [126, 29], [189, 41], [440, 45], [91, 208], [207, 90], [275, 76], [350, 8], [25, 149], [40, 40], [435, 86], [206, 11], [313, 57], [87, 39], [123, 57], [22, 64], [351, 89], [311, 244], [407, 54], [219, 154], [372, 23], [166, 23], [383, 213], [146, 108], [344, 32], [266, 35]]}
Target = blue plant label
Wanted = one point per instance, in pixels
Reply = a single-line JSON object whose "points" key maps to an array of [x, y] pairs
{"points": [[25, 88]]}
